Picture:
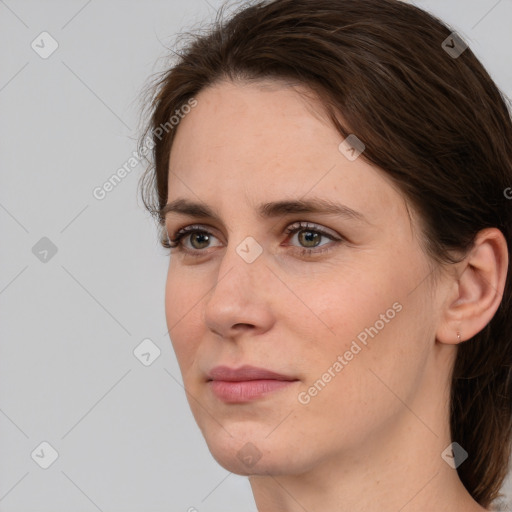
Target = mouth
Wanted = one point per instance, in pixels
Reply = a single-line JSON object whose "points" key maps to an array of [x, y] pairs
{"points": [[246, 383]]}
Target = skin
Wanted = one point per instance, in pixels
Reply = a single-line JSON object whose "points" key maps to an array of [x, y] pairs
{"points": [[372, 438]]}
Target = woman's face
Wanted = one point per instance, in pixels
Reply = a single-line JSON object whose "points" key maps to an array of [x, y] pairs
{"points": [[351, 325]]}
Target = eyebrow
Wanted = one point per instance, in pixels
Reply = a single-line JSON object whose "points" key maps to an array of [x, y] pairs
{"points": [[266, 210]]}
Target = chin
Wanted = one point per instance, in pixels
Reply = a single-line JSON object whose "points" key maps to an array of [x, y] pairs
{"points": [[246, 454], [246, 462]]}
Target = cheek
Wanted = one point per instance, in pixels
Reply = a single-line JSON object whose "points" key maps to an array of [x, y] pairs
{"points": [[175, 292], [352, 302], [182, 307], [383, 341], [184, 295], [368, 297], [375, 325]]}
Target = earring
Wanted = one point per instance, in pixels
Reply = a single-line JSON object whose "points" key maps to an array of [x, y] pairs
{"points": [[458, 336]]}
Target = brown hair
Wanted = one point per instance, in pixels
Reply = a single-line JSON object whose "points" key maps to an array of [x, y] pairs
{"points": [[435, 123]]}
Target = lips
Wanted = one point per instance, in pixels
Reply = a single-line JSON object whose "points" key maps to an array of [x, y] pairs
{"points": [[245, 373], [246, 383]]}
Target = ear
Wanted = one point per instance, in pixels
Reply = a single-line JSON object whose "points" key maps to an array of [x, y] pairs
{"points": [[475, 293]]}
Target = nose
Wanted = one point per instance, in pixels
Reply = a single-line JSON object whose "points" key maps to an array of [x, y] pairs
{"points": [[240, 298]]}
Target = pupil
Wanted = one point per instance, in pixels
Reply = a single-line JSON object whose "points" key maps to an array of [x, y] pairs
{"points": [[201, 235], [310, 236]]}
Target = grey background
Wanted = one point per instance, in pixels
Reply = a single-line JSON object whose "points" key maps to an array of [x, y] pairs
{"points": [[124, 434]]}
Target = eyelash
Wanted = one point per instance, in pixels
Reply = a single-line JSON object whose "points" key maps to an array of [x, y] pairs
{"points": [[176, 241]]}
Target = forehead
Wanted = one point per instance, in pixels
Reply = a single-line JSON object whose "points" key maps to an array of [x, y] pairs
{"points": [[268, 141], [261, 119]]}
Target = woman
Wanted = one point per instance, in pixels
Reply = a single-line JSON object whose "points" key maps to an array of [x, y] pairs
{"points": [[333, 179]]}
